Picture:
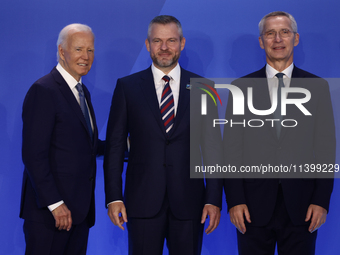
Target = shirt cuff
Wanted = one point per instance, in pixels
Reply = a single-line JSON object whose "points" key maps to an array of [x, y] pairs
{"points": [[55, 205], [114, 202]]}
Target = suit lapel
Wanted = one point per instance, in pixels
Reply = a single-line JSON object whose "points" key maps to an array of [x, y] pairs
{"points": [[296, 75], [72, 101], [261, 97], [183, 100], [147, 86], [89, 103]]}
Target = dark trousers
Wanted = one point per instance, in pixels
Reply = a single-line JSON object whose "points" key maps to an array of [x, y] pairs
{"points": [[290, 239], [146, 235], [48, 240]]}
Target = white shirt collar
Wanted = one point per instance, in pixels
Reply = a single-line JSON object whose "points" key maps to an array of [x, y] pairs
{"points": [[158, 74], [71, 82], [271, 72]]}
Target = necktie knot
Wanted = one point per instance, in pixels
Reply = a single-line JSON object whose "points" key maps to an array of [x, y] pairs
{"points": [[166, 78], [280, 75]]}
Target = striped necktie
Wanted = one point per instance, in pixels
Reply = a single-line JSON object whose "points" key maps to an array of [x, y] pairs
{"points": [[167, 106]]}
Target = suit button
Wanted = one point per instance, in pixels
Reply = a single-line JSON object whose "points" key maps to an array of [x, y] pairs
{"points": [[167, 142], [91, 179], [164, 165], [279, 148]]}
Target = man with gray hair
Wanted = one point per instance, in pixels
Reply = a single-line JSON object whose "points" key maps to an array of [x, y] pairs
{"points": [[59, 148], [281, 209]]}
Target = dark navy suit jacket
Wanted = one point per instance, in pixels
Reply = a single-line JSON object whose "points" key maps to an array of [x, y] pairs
{"points": [[158, 163], [312, 141], [57, 151]]}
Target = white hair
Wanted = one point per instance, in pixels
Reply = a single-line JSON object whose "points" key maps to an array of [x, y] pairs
{"points": [[65, 33]]}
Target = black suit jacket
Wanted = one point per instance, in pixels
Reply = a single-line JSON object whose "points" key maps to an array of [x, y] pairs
{"points": [[312, 141], [158, 163], [57, 151]]}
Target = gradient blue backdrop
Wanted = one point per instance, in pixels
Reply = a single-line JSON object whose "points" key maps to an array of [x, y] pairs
{"points": [[222, 41]]}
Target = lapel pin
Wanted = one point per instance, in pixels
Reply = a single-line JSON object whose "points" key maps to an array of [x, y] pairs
{"points": [[188, 86]]}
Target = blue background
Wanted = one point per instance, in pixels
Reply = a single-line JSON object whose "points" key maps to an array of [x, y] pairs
{"points": [[222, 41]]}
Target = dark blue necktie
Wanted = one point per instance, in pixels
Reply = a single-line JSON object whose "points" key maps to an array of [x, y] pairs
{"points": [[84, 109], [277, 113]]}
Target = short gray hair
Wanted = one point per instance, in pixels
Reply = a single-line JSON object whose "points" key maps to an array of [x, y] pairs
{"points": [[166, 19], [65, 32], [275, 14]]}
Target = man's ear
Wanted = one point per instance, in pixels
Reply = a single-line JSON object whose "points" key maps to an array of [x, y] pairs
{"points": [[182, 43], [147, 44], [261, 42], [61, 52], [297, 39]]}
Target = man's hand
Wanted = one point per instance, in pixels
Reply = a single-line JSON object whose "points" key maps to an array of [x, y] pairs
{"points": [[62, 216], [214, 213], [237, 214], [117, 214], [318, 216]]}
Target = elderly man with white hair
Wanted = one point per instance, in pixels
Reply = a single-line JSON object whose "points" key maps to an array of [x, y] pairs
{"points": [[59, 148]]}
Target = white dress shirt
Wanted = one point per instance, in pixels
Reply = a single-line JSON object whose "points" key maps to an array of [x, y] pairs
{"points": [[175, 79], [72, 83], [273, 81]]}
